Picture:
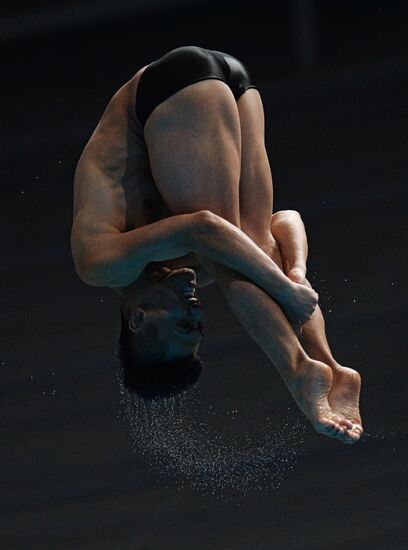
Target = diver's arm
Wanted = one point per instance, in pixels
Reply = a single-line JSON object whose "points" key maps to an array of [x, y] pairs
{"points": [[220, 241], [116, 259], [225, 245], [253, 308]]}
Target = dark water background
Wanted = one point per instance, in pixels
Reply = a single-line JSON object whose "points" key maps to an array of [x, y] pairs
{"points": [[233, 465]]}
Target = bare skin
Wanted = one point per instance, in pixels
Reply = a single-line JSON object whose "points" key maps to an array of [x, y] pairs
{"points": [[309, 381], [220, 175], [289, 232]]}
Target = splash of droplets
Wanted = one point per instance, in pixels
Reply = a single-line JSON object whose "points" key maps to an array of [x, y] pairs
{"points": [[382, 433], [319, 285], [172, 438]]}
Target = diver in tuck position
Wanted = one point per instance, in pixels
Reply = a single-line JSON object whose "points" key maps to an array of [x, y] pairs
{"points": [[174, 191]]}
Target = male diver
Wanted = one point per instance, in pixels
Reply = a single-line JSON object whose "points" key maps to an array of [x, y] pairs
{"points": [[173, 191]]}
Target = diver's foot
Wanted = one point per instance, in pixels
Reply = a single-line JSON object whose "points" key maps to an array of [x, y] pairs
{"points": [[344, 398], [310, 389]]}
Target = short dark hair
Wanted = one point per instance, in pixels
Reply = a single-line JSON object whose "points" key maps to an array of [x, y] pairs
{"points": [[144, 370]]}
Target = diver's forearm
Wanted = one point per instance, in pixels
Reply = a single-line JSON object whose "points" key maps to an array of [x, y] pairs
{"points": [[263, 319], [227, 245]]}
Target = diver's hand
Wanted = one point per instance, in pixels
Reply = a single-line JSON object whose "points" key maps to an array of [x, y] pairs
{"points": [[299, 305], [299, 299], [288, 229], [297, 274]]}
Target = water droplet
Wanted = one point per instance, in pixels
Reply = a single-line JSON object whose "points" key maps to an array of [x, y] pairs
{"points": [[173, 437]]}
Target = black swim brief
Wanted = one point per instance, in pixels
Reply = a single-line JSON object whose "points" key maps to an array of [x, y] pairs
{"points": [[184, 66]]}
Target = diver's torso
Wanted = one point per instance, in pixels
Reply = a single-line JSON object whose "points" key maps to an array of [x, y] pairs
{"points": [[113, 175]]}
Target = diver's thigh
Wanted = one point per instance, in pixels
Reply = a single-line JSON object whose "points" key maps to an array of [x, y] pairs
{"points": [[193, 140], [255, 186]]}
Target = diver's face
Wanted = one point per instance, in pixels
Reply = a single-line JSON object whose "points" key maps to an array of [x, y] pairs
{"points": [[170, 302]]}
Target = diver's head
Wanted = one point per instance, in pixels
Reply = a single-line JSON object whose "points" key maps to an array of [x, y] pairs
{"points": [[161, 332]]}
